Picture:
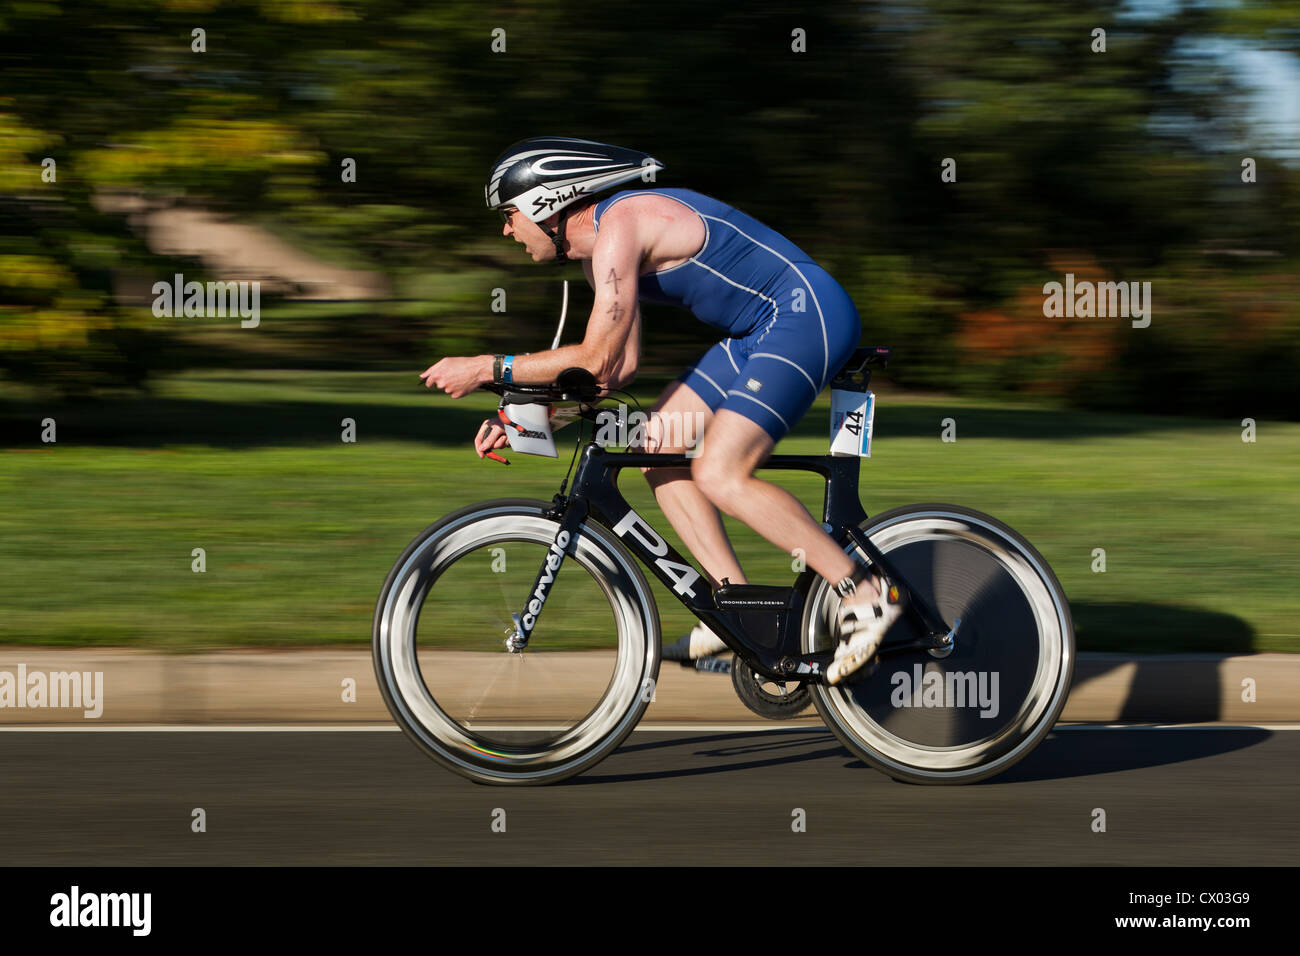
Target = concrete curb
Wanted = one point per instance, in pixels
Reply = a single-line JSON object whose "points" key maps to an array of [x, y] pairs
{"points": [[307, 687]]}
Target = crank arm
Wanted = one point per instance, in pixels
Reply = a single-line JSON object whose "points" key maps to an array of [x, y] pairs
{"points": [[931, 642]]}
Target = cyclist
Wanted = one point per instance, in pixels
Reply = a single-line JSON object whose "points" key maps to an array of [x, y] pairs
{"points": [[788, 327]]}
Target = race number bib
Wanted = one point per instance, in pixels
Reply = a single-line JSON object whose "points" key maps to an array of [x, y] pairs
{"points": [[853, 413]]}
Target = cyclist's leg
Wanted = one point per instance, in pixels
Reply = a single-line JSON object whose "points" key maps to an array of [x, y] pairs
{"points": [[776, 374], [724, 471], [679, 417]]}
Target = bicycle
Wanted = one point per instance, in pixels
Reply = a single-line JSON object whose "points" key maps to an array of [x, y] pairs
{"points": [[982, 657]]}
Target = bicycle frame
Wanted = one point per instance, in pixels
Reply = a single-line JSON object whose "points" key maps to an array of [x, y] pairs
{"points": [[761, 624]]}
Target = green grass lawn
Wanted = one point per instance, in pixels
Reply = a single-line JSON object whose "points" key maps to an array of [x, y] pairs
{"points": [[1202, 545]]}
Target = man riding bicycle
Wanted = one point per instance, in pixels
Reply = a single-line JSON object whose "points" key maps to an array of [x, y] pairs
{"points": [[788, 327]]}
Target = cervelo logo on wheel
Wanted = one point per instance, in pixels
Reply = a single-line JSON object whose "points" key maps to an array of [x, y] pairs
{"points": [[683, 576], [553, 559]]}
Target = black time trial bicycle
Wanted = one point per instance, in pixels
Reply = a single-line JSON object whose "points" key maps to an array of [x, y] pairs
{"points": [[517, 641]]}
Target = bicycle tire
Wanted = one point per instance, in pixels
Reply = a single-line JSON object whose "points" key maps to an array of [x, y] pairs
{"points": [[1015, 617], [477, 753]]}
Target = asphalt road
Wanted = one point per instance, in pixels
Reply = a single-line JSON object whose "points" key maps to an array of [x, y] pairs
{"points": [[1185, 797]]}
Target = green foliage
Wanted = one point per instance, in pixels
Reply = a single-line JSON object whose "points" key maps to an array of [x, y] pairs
{"points": [[1126, 160]]}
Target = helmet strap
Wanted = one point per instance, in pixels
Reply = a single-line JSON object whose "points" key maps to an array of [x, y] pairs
{"points": [[557, 237]]}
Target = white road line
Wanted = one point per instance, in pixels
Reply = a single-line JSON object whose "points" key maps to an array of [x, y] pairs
{"points": [[1176, 727], [647, 728], [199, 728]]}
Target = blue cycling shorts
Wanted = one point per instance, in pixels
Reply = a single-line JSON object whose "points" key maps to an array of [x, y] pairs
{"points": [[772, 375]]}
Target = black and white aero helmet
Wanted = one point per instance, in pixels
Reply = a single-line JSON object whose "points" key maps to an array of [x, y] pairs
{"points": [[542, 175]]}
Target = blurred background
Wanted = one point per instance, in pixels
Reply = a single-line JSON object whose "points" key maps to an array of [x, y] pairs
{"points": [[128, 155]]}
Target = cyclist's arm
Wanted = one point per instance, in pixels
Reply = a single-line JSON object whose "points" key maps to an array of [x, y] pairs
{"points": [[626, 371], [615, 317], [611, 347], [631, 356]]}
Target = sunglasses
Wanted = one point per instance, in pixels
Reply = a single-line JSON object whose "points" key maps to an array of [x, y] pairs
{"points": [[507, 212]]}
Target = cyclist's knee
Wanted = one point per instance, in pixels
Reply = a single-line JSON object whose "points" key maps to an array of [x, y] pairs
{"points": [[718, 479]]}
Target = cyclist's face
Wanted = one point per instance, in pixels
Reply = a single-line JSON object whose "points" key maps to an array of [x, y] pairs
{"points": [[520, 228]]}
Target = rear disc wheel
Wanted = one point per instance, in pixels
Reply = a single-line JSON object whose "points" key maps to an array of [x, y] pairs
{"points": [[945, 718]]}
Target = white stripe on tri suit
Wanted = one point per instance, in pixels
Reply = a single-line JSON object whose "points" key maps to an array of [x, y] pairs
{"points": [[726, 347], [764, 404], [782, 358], [711, 382], [826, 349], [776, 309]]}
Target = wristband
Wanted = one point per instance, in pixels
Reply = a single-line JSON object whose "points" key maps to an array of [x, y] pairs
{"points": [[496, 367], [507, 369]]}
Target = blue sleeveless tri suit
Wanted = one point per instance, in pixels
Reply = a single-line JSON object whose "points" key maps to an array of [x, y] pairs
{"points": [[790, 327]]}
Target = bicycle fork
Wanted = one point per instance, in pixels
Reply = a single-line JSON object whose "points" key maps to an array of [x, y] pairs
{"points": [[937, 637], [572, 515]]}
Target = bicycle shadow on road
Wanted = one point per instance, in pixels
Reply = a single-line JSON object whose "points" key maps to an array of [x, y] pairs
{"points": [[1086, 753], [780, 747], [1065, 754]]}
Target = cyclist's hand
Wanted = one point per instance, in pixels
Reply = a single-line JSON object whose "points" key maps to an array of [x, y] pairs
{"points": [[490, 437], [459, 375]]}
